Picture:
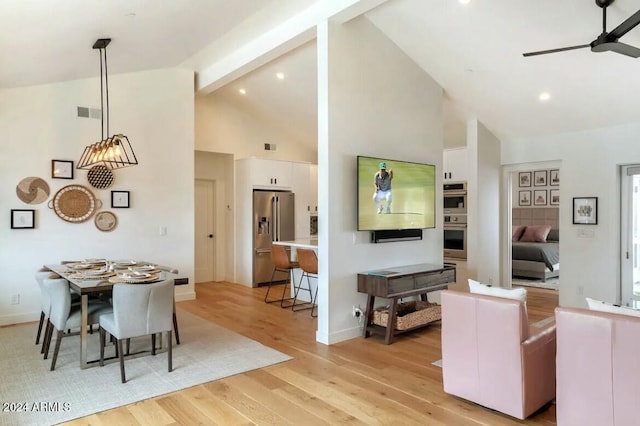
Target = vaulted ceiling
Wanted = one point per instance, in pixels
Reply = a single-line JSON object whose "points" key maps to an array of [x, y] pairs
{"points": [[474, 51]]}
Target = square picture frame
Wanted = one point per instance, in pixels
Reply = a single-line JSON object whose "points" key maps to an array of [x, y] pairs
{"points": [[61, 169], [554, 177], [120, 199], [540, 197], [23, 219], [524, 198], [540, 178], [554, 197], [524, 179], [585, 210]]}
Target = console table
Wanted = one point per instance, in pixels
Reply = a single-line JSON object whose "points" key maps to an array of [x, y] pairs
{"points": [[398, 282]]}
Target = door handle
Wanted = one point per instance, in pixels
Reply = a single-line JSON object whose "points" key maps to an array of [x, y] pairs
{"points": [[210, 235]]}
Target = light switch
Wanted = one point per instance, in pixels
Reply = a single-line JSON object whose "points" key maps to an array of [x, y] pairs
{"points": [[163, 231]]}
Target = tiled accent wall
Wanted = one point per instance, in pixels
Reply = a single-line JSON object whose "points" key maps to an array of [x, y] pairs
{"points": [[536, 216]]}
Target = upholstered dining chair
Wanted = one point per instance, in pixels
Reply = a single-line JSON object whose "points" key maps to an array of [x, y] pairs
{"points": [[281, 263], [139, 310], [175, 317], [65, 315], [308, 261]]}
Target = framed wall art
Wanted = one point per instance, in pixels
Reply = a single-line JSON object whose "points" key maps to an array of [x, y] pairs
{"points": [[554, 177], [540, 178], [23, 219], [524, 198], [554, 197], [585, 210], [524, 179], [540, 197], [119, 199], [61, 169]]}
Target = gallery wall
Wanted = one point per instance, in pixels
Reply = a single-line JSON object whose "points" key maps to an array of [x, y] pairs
{"points": [[40, 123]]}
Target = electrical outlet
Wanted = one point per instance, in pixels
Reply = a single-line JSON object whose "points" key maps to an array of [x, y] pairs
{"points": [[15, 299], [357, 312]]}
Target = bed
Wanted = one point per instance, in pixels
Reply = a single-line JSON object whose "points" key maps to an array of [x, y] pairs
{"points": [[539, 258]]}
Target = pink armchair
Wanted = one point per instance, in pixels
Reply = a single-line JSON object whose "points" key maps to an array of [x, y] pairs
{"points": [[597, 368], [491, 356]]}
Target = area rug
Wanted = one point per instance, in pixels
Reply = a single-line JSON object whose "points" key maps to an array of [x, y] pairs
{"points": [[32, 395], [551, 283]]}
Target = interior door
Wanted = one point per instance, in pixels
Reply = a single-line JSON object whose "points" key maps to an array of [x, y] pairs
{"points": [[629, 236], [204, 231]]}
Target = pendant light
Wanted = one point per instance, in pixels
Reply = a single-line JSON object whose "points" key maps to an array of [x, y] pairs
{"points": [[111, 152]]}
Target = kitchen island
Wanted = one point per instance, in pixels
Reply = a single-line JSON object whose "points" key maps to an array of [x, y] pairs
{"points": [[306, 243]]}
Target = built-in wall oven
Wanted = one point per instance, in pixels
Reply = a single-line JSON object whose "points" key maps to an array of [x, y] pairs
{"points": [[455, 236], [455, 198]]}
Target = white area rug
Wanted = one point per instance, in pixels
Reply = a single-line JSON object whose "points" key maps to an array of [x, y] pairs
{"points": [[207, 352], [437, 363], [551, 283]]}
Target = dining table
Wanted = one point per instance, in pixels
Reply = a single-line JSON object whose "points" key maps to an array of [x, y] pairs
{"points": [[86, 284]]}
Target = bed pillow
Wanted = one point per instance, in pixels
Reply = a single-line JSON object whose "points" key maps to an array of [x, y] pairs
{"points": [[598, 305], [516, 232], [515, 293], [554, 235], [536, 234]]}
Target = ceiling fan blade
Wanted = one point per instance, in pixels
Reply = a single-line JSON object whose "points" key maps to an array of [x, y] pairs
{"points": [[624, 49], [629, 24], [562, 49]]}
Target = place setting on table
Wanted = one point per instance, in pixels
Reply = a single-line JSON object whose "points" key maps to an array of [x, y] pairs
{"points": [[114, 271]]}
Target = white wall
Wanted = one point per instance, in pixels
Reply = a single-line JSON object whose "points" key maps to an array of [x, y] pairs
{"points": [[219, 168], [590, 167], [39, 123], [373, 100], [221, 126], [483, 197]]}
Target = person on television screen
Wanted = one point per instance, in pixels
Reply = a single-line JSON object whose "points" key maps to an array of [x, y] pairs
{"points": [[382, 185]]}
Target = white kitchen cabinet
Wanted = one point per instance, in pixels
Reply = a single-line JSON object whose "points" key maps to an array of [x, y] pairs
{"points": [[263, 173], [301, 185], [455, 165]]}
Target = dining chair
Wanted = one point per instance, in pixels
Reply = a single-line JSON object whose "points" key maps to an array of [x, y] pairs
{"points": [[175, 318], [65, 315], [308, 261], [139, 310], [281, 263]]}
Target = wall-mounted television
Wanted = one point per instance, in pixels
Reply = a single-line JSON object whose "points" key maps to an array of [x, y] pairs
{"points": [[409, 204]]}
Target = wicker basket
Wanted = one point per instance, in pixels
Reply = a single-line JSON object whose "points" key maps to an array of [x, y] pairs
{"points": [[409, 315]]}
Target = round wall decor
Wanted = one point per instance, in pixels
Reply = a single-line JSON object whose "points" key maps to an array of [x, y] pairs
{"points": [[74, 203], [32, 190], [100, 177], [105, 221]]}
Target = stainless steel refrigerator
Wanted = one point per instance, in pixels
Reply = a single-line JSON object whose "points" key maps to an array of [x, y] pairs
{"points": [[273, 220]]}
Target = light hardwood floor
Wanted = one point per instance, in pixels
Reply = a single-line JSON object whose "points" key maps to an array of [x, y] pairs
{"points": [[360, 381]]}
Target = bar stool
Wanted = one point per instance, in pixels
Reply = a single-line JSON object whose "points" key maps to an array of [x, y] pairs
{"points": [[281, 263], [309, 264]]}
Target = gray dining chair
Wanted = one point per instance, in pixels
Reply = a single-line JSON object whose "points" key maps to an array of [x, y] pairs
{"points": [[175, 318], [139, 310], [65, 315]]}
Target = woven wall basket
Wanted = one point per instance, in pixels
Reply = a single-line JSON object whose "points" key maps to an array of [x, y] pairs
{"points": [[74, 203]]}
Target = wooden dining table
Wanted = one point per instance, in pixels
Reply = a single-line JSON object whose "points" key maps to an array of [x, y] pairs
{"points": [[89, 285]]}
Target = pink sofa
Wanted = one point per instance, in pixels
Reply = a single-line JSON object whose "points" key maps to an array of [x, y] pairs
{"points": [[598, 366], [491, 356]]}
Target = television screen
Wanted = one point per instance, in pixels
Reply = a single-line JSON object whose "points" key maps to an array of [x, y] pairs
{"points": [[395, 194]]}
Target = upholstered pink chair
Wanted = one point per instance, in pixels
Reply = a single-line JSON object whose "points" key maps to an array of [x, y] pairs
{"points": [[493, 357], [597, 368]]}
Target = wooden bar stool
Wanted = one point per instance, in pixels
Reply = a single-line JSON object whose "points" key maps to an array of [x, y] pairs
{"points": [[308, 262], [281, 263]]}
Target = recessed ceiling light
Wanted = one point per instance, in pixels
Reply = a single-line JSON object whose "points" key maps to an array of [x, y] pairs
{"points": [[280, 75], [544, 96], [242, 91], [464, 1]]}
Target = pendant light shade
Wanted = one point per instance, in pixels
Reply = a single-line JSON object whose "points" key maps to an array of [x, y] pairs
{"points": [[112, 152]]}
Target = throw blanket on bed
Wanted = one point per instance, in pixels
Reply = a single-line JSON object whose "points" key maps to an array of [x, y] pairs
{"points": [[549, 253]]}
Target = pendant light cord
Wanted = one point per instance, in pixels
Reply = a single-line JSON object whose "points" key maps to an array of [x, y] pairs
{"points": [[104, 90]]}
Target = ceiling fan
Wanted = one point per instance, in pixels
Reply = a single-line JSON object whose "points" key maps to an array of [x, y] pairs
{"points": [[607, 41]]}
